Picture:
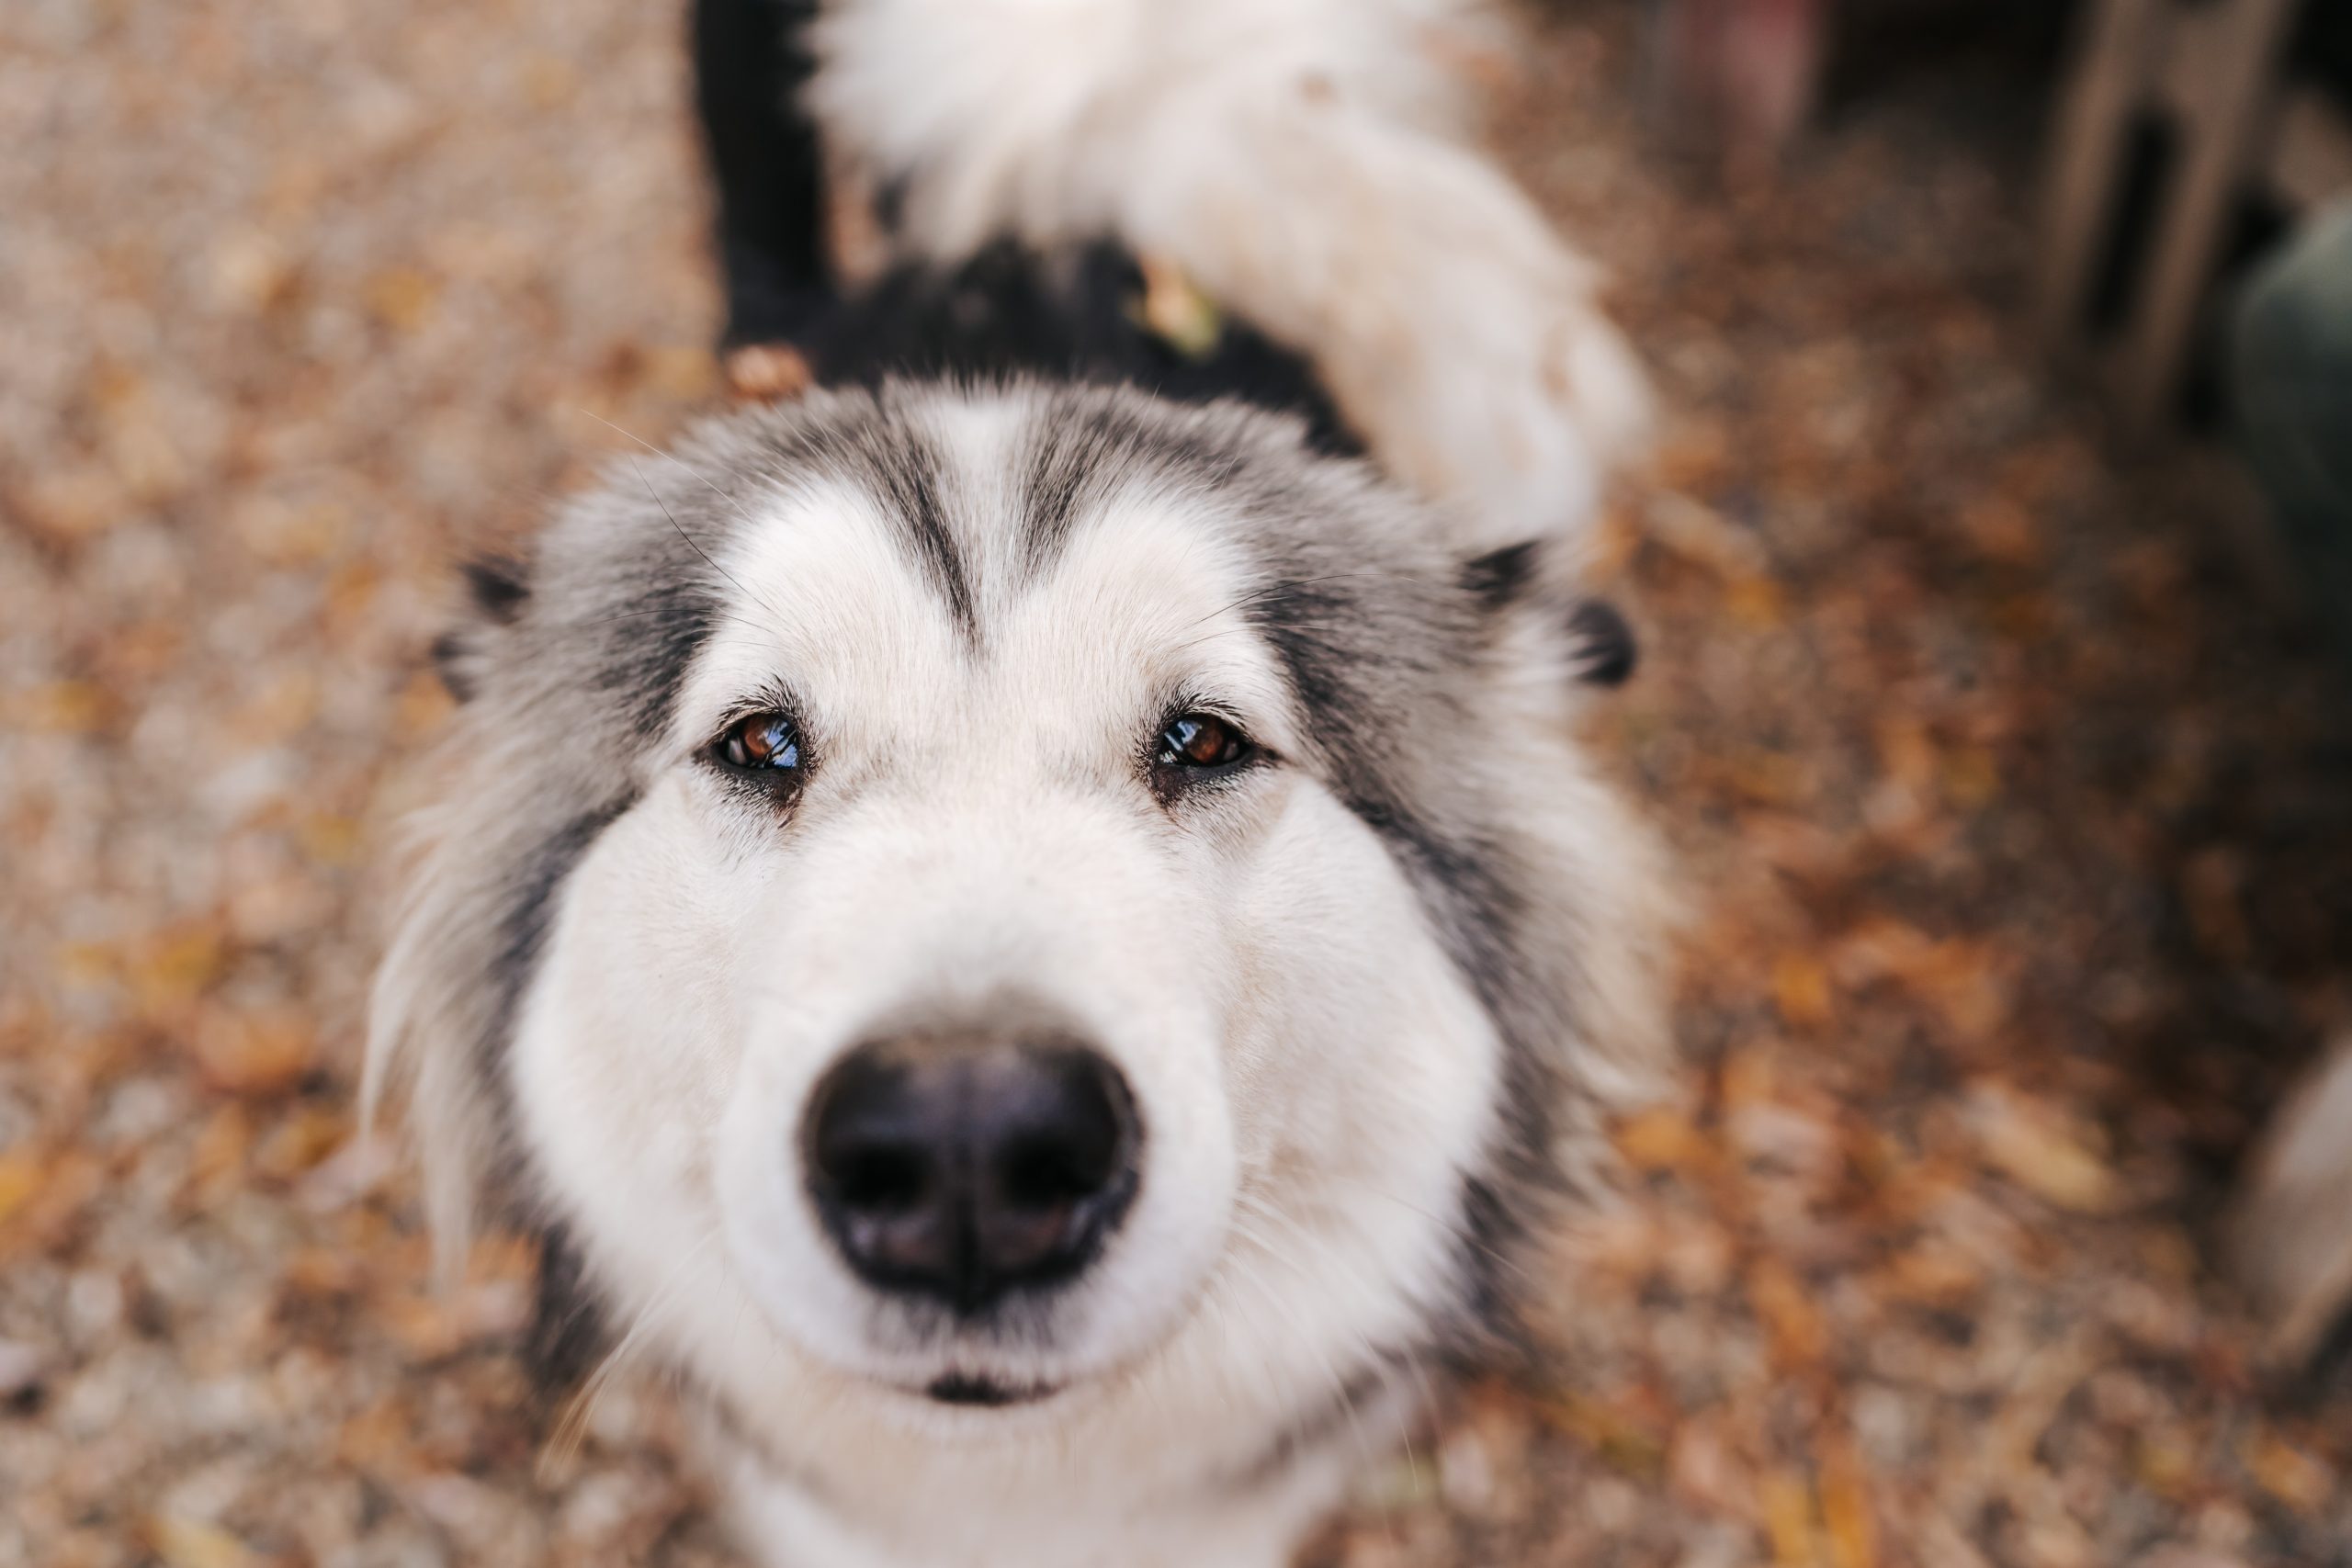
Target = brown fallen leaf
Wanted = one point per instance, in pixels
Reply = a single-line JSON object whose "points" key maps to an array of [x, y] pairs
{"points": [[1786, 1308], [253, 1052], [1801, 989], [1756, 602], [60, 707], [302, 1140], [1932, 1274], [2289, 1472], [2041, 1150], [1703, 1465], [1622, 1438], [19, 1179], [50, 1204], [71, 503], [430, 1327], [380, 1441], [176, 965], [222, 1151], [401, 298], [1788, 1518], [324, 1272], [194, 1543], [1848, 1522], [768, 373], [1663, 1138]]}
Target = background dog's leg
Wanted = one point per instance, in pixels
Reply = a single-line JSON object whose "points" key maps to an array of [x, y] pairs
{"points": [[752, 60]]}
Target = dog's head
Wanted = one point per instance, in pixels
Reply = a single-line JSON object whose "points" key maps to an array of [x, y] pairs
{"points": [[956, 896]]}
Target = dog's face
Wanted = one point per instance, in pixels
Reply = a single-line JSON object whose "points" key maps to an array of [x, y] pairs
{"points": [[980, 898]]}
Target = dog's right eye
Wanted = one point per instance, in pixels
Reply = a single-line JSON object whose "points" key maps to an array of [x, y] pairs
{"points": [[1201, 741], [1197, 748], [760, 743]]}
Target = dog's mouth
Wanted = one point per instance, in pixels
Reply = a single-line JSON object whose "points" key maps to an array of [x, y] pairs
{"points": [[975, 1392]]}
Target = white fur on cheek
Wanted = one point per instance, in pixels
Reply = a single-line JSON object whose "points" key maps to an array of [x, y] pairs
{"points": [[1365, 1076], [624, 1059]]}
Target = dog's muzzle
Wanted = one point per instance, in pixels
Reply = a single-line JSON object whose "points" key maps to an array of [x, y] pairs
{"points": [[967, 1168]]}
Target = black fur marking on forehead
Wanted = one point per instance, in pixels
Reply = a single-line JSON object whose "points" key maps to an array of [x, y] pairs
{"points": [[1081, 446], [899, 462], [1064, 454]]}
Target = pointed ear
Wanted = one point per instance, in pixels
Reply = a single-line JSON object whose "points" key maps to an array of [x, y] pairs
{"points": [[497, 587], [1500, 579], [1601, 644], [1515, 580]]}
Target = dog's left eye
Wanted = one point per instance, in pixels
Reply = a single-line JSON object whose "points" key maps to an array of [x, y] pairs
{"points": [[760, 743], [1198, 741]]}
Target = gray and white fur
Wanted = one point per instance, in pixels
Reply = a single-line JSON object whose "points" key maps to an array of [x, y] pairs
{"points": [[1369, 989]]}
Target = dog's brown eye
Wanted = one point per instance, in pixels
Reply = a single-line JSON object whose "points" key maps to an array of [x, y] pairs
{"points": [[1201, 741], [768, 742]]}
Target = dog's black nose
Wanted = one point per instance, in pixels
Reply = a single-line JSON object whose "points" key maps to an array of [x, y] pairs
{"points": [[967, 1171]]}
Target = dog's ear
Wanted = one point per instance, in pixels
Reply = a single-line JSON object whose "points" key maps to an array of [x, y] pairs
{"points": [[1520, 583], [497, 587], [1601, 641]]}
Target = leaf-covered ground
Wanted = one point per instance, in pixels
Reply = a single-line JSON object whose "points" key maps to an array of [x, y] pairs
{"points": [[2009, 808]]}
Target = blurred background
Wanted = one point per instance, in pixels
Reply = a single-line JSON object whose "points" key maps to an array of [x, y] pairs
{"points": [[1993, 582]]}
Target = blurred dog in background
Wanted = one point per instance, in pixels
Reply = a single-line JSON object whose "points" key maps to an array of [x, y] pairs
{"points": [[1220, 195]]}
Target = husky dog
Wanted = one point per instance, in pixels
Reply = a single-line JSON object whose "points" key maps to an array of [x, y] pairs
{"points": [[1039, 947]]}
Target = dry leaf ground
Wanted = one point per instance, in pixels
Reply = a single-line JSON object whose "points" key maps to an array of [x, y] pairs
{"points": [[2013, 816]]}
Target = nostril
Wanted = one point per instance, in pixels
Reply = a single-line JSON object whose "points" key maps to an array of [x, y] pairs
{"points": [[880, 1180], [872, 1139], [1042, 1172], [1067, 1136]]}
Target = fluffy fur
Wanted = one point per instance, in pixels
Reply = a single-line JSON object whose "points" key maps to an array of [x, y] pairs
{"points": [[1301, 161], [1372, 993]]}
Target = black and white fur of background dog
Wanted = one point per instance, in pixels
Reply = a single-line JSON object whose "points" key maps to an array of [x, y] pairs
{"points": [[1301, 164], [1041, 948]]}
